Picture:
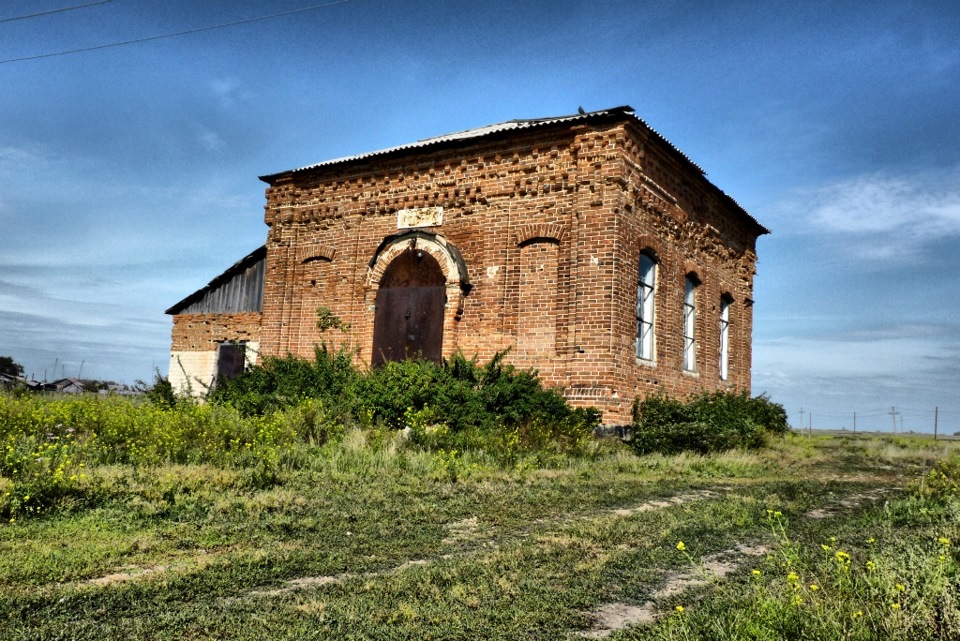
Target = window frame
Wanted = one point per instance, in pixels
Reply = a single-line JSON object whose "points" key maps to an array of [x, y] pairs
{"points": [[690, 286], [726, 302], [646, 337]]}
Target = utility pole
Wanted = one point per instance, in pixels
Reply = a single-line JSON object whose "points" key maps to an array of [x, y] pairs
{"points": [[893, 415], [936, 412], [854, 422], [801, 418], [810, 417]]}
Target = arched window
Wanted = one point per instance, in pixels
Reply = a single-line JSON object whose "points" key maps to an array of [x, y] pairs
{"points": [[690, 323], [725, 301], [646, 287]]}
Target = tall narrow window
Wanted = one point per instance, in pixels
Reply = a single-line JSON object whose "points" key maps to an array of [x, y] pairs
{"points": [[725, 302], [690, 324], [646, 286]]}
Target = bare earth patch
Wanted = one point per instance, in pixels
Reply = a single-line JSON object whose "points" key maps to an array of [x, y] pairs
{"points": [[464, 530], [187, 561], [300, 584], [128, 573], [660, 504], [611, 617], [849, 502]]}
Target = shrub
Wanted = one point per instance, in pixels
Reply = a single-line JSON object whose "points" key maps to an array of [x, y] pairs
{"points": [[708, 422], [161, 393], [942, 482], [458, 393], [464, 395], [283, 381]]}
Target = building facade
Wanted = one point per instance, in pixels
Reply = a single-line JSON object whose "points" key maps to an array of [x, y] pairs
{"points": [[587, 245]]}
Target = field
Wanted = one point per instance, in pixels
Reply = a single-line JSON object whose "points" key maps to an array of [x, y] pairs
{"points": [[236, 530]]}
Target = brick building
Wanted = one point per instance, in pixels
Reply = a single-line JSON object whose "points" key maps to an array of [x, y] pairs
{"points": [[587, 244]]}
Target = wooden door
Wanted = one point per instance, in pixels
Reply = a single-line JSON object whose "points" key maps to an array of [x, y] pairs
{"points": [[409, 310]]}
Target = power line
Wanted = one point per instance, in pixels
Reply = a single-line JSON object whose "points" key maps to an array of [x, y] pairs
{"points": [[174, 35], [51, 11]]}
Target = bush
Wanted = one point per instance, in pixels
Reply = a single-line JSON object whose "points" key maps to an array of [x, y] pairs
{"points": [[708, 422], [282, 382], [942, 482], [458, 393], [161, 393]]}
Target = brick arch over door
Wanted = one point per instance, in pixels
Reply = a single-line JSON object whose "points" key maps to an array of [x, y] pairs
{"points": [[415, 290]]}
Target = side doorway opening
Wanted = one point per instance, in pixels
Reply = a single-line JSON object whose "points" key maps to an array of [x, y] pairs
{"points": [[231, 359], [408, 322]]}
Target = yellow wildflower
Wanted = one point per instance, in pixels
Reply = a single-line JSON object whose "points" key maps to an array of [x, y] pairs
{"points": [[681, 546], [680, 609]]}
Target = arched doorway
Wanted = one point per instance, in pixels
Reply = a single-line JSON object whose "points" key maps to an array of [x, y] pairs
{"points": [[408, 322]]}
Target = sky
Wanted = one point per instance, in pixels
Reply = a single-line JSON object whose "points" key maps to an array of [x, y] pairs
{"points": [[128, 174]]}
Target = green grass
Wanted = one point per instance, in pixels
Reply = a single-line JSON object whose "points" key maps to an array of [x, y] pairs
{"points": [[372, 536]]}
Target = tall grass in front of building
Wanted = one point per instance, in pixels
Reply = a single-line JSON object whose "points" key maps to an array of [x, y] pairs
{"points": [[269, 421], [49, 446]]}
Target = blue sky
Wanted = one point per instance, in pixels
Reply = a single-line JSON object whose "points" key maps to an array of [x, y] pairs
{"points": [[128, 175]]}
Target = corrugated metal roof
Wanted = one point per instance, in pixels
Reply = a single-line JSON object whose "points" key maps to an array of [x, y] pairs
{"points": [[487, 130], [242, 299], [516, 125]]}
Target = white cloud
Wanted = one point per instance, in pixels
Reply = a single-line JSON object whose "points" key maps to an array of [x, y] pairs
{"points": [[881, 215], [16, 157], [209, 139], [229, 92]]}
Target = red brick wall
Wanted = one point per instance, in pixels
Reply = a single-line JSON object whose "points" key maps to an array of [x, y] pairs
{"points": [[202, 332], [550, 223]]}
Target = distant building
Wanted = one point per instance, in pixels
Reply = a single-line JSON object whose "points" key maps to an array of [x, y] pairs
{"points": [[588, 245], [6, 380], [65, 386]]}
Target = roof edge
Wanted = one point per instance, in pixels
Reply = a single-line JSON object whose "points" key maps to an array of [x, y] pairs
{"points": [[257, 254], [464, 136]]}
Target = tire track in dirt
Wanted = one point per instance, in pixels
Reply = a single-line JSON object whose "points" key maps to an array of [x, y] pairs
{"points": [[468, 530], [612, 617]]}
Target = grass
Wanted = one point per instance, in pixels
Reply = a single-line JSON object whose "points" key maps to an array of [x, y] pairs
{"points": [[369, 535]]}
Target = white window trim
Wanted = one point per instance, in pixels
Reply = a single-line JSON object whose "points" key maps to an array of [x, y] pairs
{"points": [[725, 304], [646, 309], [690, 325]]}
